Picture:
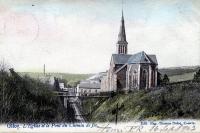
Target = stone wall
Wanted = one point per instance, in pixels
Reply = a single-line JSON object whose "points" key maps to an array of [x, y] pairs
{"points": [[104, 84], [121, 79], [131, 77]]}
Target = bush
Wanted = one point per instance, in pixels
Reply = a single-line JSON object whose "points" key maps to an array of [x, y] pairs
{"points": [[197, 76], [165, 80], [162, 80]]}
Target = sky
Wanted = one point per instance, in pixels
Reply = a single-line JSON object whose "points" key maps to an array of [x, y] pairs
{"points": [[79, 36]]}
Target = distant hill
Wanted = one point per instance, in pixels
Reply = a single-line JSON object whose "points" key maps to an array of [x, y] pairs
{"points": [[171, 71], [177, 74], [70, 78]]}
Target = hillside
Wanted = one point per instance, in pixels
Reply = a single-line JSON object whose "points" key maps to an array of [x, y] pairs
{"points": [[24, 99], [173, 101]]}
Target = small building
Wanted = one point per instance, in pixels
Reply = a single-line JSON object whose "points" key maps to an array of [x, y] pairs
{"points": [[62, 86], [88, 88]]}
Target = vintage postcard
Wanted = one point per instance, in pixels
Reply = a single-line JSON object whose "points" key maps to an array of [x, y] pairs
{"points": [[100, 66]]}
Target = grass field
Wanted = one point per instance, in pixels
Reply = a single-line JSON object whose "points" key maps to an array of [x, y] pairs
{"points": [[177, 74], [182, 77], [171, 71]]}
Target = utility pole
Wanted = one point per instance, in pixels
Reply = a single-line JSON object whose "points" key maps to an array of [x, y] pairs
{"points": [[116, 116]]}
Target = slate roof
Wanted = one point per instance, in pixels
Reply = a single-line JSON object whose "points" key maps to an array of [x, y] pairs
{"points": [[120, 58], [89, 85], [153, 58], [140, 57]]}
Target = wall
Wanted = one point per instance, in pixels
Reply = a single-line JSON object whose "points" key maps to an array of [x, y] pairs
{"points": [[121, 79]]}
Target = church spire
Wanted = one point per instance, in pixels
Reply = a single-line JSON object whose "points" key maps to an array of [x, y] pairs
{"points": [[122, 32], [122, 43]]}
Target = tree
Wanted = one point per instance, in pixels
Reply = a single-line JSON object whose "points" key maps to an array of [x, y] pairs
{"points": [[56, 84], [197, 76], [23, 99], [4, 97], [165, 80], [159, 79], [162, 80]]}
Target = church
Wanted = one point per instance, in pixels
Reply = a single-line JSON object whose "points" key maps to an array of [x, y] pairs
{"points": [[129, 72]]}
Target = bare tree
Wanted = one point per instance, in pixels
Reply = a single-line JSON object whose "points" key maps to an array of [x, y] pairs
{"points": [[3, 68]]}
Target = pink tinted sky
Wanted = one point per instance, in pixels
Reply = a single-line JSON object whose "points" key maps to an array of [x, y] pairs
{"points": [[79, 37]]}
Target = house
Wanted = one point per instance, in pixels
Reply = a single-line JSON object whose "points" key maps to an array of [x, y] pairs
{"points": [[91, 86], [88, 88]]}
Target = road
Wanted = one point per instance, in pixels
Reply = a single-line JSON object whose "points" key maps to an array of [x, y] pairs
{"points": [[75, 105]]}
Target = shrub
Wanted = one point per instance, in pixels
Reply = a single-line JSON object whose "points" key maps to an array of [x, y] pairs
{"points": [[197, 76]]}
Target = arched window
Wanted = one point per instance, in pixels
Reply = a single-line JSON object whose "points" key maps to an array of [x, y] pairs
{"points": [[130, 81], [135, 78]]}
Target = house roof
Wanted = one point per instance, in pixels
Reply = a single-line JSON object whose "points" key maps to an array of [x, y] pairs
{"points": [[88, 85], [140, 57]]}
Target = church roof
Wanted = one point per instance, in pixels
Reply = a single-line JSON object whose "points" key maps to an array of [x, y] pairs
{"points": [[140, 57], [120, 58], [153, 58]]}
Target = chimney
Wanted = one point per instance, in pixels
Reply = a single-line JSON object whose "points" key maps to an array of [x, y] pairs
{"points": [[44, 69]]}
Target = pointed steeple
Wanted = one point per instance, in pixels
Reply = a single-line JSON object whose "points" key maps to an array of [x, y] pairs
{"points": [[122, 32], [122, 43]]}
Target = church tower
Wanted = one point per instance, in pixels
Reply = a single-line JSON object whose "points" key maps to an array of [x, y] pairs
{"points": [[122, 43]]}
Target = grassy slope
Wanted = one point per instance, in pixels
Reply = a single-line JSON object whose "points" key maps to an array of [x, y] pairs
{"points": [[174, 101]]}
